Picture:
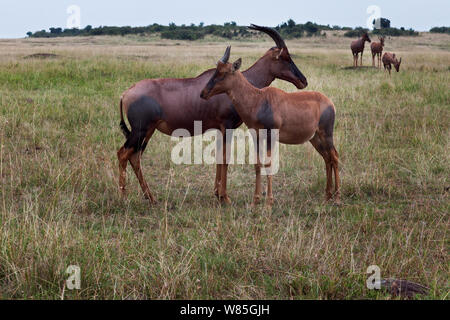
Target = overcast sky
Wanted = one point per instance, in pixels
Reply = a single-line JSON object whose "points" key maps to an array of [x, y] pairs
{"points": [[17, 17]]}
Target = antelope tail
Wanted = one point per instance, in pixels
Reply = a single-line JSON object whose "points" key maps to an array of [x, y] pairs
{"points": [[123, 125]]}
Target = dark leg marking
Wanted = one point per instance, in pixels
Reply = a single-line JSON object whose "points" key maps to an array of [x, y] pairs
{"points": [[142, 114], [326, 123]]}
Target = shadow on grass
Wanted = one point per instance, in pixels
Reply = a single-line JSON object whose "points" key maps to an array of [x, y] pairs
{"points": [[359, 68], [41, 56]]}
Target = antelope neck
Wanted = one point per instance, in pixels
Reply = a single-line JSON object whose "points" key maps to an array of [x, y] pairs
{"points": [[259, 75], [243, 94]]}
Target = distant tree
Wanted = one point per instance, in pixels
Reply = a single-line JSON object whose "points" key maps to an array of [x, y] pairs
{"points": [[41, 34], [55, 31], [382, 22], [29, 33], [156, 28], [440, 30], [88, 28], [291, 23], [311, 28]]}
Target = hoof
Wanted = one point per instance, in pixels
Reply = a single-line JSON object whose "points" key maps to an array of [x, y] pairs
{"points": [[337, 202], [152, 202], [255, 203], [224, 199], [123, 193], [269, 204], [150, 199]]}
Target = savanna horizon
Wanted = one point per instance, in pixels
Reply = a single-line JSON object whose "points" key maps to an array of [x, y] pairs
{"points": [[60, 203]]}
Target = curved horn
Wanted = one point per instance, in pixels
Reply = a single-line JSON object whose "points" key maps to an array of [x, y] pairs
{"points": [[226, 56], [272, 33]]}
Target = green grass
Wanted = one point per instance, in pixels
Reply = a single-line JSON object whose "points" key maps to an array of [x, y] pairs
{"points": [[60, 204]]}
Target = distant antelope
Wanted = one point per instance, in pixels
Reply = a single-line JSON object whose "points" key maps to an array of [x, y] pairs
{"points": [[377, 50], [299, 117], [357, 47], [390, 58], [170, 104]]}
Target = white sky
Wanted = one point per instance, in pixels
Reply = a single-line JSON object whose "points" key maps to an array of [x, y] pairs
{"points": [[19, 16]]}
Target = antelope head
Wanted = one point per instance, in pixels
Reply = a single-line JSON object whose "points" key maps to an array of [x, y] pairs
{"points": [[222, 78], [397, 63], [280, 63], [365, 37]]}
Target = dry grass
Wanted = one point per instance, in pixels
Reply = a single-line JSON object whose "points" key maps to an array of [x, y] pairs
{"points": [[60, 206]]}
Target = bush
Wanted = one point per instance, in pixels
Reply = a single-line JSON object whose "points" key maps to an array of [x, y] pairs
{"points": [[355, 33], [440, 30], [181, 35], [394, 32]]}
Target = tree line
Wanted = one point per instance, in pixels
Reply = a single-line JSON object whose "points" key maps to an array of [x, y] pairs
{"points": [[229, 30]]}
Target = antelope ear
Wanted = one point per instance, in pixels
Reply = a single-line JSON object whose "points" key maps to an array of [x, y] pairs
{"points": [[279, 54], [237, 64]]}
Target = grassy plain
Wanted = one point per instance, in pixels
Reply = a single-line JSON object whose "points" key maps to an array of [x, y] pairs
{"points": [[59, 201]]}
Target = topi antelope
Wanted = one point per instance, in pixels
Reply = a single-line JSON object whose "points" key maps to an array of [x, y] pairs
{"points": [[357, 47], [170, 104], [377, 50], [390, 58], [299, 117]]}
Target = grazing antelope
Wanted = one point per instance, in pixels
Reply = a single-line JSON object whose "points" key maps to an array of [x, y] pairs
{"points": [[299, 117], [170, 104], [357, 47], [390, 58], [377, 50]]}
